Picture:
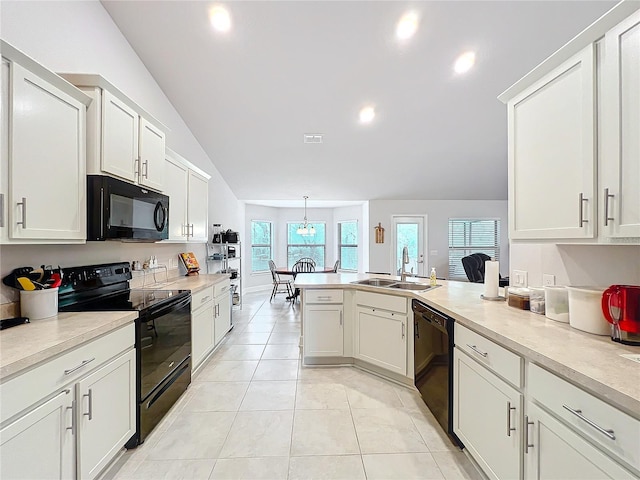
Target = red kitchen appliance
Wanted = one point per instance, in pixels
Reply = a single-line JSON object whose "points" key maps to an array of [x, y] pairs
{"points": [[621, 308]]}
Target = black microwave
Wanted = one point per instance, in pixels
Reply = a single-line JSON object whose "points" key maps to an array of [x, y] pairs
{"points": [[118, 210]]}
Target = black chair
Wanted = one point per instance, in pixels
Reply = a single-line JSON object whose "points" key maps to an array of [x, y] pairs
{"points": [[474, 268], [336, 266], [304, 265]]}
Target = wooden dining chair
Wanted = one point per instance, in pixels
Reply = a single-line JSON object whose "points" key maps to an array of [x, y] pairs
{"points": [[279, 283]]}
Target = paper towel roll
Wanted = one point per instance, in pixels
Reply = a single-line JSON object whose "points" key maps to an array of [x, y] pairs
{"points": [[491, 275]]}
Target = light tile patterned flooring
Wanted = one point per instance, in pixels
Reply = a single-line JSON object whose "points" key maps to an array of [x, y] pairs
{"points": [[254, 412]]}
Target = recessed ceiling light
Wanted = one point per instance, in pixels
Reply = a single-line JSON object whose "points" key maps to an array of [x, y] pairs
{"points": [[407, 26], [464, 62], [220, 18], [367, 114]]}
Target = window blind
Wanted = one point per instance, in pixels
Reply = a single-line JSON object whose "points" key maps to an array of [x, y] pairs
{"points": [[467, 236]]}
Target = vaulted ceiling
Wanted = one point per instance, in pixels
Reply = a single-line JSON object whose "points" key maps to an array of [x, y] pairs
{"points": [[290, 68]]}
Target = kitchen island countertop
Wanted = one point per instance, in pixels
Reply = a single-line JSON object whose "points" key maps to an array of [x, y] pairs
{"points": [[590, 361]]}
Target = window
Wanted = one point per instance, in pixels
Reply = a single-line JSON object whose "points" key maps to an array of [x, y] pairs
{"points": [[261, 240], [348, 245], [467, 236], [299, 246]]}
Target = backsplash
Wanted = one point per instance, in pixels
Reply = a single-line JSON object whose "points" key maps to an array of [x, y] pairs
{"points": [[14, 256]]}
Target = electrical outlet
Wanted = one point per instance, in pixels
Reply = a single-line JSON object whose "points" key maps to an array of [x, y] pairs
{"points": [[520, 278], [548, 279]]}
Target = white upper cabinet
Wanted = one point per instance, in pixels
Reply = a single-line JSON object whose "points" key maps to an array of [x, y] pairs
{"points": [[574, 142], [43, 187], [122, 139], [197, 207], [620, 131], [552, 158], [176, 189]]}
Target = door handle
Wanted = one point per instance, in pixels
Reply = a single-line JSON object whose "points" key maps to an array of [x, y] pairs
{"points": [[23, 203], [90, 412], [191, 227], [136, 166], [73, 421], [607, 196], [581, 210], [578, 413], [1, 209], [509, 427], [527, 445], [145, 169], [340, 318], [479, 352], [403, 326], [84, 362]]}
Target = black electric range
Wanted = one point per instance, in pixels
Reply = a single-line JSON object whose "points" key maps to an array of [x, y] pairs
{"points": [[163, 333]]}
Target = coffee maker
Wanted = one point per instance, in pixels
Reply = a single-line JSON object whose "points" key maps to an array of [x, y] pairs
{"points": [[621, 308]]}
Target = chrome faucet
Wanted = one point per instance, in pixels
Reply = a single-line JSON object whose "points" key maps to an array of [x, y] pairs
{"points": [[405, 261]]}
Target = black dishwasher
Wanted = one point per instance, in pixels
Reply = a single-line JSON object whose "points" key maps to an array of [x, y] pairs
{"points": [[433, 363]]}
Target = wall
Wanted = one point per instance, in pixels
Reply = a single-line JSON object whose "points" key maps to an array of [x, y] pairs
{"points": [[438, 213], [578, 264], [81, 37]]}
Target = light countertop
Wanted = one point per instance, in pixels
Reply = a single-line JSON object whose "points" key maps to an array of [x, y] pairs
{"points": [[591, 361], [194, 283]]}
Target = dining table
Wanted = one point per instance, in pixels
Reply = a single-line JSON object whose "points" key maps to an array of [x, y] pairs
{"points": [[289, 271]]}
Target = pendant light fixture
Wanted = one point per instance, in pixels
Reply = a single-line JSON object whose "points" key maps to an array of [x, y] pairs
{"points": [[305, 228]]}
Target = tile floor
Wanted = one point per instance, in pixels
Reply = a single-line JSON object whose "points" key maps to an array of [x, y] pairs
{"points": [[253, 412]]}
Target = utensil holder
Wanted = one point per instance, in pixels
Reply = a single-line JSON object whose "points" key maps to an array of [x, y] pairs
{"points": [[39, 304]]}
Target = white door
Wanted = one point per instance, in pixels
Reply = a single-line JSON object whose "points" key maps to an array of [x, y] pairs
{"points": [[152, 156], [106, 402], [555, 451], [381, 339], [41, 443], [176, 189], [202, 333], [324, 332], [48, 163], [120, 130], [409, 231], [198, 195], [486, 413], [222, 323], [620, 127], [552, 156]]}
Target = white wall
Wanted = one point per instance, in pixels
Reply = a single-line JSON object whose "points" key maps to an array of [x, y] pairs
{"points": [[79, 36], [438, 213], [598, 265]]}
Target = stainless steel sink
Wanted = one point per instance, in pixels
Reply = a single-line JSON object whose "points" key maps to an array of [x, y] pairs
{"points": [[376, 282], [410, 286]]}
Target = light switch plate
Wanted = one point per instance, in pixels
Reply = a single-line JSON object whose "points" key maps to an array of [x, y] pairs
{"points": [[548, 279], [520, 278]]}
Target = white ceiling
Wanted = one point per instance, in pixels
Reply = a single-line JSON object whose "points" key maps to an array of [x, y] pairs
{"points": [[289, 68]]}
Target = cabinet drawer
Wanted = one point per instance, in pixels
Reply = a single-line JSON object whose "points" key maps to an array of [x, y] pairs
{"points": [[385, 302], [323, 296], [503, 362], [593, 418], [220, 288], [201, 297], [36, 384]]}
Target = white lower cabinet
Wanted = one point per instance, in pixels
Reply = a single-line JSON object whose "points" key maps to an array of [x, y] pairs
{"points": [[75, 430], [324, 331], [202, 326], [222, 313], [40, 444], [381, 338], [554, 451], [486, 417]]}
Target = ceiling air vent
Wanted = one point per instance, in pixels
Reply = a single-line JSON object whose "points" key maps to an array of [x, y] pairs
{"points": [[313, 138]]}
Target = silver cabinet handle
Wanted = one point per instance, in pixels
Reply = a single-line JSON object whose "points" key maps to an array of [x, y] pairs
{"points": [[527, 445], [578, 413], [23, 203], [204, 299], [145, 169], [402, 329], [509, 427], [191, 227], [90, 412], [136, 165], [581, 210], [84, 363], [73, 416], [607, 196], [323, 297], [1, 209], [340, 318], [479, 352]]}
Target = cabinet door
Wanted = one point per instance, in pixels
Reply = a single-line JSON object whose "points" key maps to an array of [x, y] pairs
{"points": [[202, 336], [152, 162], [324, 331], [552, 157], [176, 189], [620, 127], [381, 339], [223, 315], [47, 164], [119, 138], [198, 198], [486, 417], [40, 444], [555, 451], [106, 402]]}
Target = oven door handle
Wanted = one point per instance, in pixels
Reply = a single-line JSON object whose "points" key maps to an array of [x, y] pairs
{"points": [[175, 377], [160, 310]]}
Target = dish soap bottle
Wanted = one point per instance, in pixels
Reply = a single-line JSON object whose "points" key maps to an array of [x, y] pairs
{"points": [[432, 277]]}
